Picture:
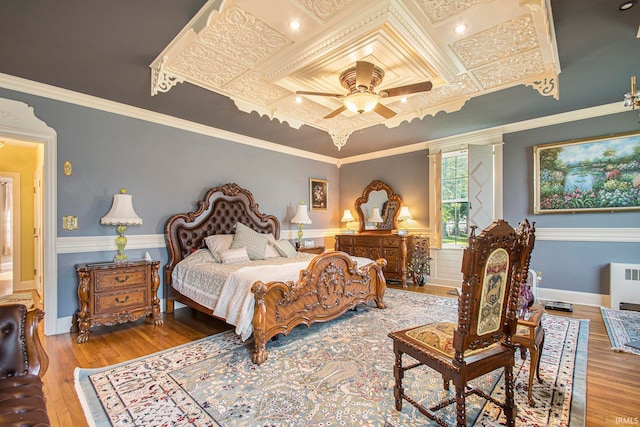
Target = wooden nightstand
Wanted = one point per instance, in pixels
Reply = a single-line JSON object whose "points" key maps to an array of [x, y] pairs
{"points": [[110, 293], [312, 249]]}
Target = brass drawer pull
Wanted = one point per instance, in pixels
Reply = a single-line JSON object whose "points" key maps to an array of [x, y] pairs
{"points": [[122, 302], [117, 279]]}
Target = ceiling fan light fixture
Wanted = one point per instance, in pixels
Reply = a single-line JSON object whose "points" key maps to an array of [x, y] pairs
{"points": [[361, 102]]}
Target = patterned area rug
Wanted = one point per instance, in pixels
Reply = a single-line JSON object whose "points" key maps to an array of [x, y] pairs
{"points": [[335, 373], [623, 327], [19, 298]]}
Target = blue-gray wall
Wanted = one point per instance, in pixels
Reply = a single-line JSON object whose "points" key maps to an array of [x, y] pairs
{"points": [[574, 266], [568, 266], [167, 171], [406, 174]]}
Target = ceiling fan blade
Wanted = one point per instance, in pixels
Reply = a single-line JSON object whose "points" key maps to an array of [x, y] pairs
{"points": [[364, 73], [406, 90], [335, 112], [384, 111], [302, 92]]}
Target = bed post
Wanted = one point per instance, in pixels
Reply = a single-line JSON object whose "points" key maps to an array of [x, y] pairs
{"points": [[168, 302], [259, 354], [380, 283]]}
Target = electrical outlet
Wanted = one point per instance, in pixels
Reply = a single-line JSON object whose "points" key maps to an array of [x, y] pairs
{"points": [[70, 222]]}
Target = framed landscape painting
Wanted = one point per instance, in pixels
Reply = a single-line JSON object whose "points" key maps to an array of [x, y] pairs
{"points": [[595, 174], [319, 194]]}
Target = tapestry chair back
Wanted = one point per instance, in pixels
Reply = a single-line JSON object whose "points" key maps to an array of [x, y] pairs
{"points": [[493, 265]]}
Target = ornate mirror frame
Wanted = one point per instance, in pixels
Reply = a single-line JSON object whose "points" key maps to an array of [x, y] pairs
{"points": [[389, 212]]}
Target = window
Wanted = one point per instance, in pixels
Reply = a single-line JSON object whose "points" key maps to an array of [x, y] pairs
{"points": [[455, 198]]}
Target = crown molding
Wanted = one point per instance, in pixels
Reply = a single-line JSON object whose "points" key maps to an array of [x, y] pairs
{"points": [[52, 92], [65, 95]]}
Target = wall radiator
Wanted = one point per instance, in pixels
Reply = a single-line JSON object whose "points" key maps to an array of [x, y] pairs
{"points": [[624, 280]]}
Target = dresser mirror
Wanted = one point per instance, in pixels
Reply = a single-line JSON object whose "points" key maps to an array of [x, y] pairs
{"points": [[380, 196]]}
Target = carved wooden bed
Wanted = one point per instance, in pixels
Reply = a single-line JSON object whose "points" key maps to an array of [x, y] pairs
{"points": [[327, 288]]}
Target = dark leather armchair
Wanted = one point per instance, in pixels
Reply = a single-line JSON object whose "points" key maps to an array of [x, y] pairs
{"points": [[23, 362]]}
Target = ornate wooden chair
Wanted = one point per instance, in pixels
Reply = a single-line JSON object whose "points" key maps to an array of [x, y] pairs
{"points": [[480, 342]]}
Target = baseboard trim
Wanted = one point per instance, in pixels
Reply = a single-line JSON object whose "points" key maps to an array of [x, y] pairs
{"points": [[580, 298]]}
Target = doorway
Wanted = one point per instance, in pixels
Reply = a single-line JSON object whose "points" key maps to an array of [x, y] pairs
{"points": [[19, 164], [20, 124], [6, 234]]}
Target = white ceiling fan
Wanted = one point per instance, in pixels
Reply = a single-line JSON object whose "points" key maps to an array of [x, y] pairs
{"points": [[361, 82]]}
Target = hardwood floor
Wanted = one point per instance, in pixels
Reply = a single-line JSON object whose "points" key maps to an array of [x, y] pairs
{"points": [[612, 378]]}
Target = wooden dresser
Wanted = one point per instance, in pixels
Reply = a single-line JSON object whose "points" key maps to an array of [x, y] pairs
{"points": [[391, 247], [110, 293]]}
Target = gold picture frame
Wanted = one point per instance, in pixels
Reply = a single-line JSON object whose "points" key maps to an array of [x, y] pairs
{"points": [[600, 174], [318, 194]]}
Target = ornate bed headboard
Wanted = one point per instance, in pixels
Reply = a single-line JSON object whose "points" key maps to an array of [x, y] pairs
{"points": [[221, 208]]}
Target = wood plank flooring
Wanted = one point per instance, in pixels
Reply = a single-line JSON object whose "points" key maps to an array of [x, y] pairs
{"points": [[613, 379]]}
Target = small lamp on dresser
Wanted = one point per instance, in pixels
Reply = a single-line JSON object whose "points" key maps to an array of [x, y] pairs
{"points": [[403, 216], [301, 217], [375, 217], [121, 215], [349, 219]]}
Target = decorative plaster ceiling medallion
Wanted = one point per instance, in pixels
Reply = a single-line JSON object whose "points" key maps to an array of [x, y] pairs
{"points": [[245, 50]]}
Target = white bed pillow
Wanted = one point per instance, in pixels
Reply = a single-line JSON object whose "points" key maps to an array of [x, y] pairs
{"points": [[234, 256], [256, 243], [271, 251], [218, 243], [285, 248]]}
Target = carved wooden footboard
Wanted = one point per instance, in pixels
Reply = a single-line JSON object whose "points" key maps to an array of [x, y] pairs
{"points": [[331, 285]]}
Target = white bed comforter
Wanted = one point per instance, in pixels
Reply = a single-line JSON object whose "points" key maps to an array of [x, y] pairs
{"points": [[226, 289]]}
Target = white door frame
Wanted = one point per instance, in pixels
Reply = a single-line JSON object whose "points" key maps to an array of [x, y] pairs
{"points": [[18, 121]]}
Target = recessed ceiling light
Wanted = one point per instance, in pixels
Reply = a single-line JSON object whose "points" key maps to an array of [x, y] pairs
{"points": [[298, 99], [460, 28], [294, 24], [627, 5], [403, 99]]}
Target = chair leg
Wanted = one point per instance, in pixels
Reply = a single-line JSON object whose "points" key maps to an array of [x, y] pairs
{"points": [[445, 383], [398, 373], [461, 408], [540, 357], [509, 403]]}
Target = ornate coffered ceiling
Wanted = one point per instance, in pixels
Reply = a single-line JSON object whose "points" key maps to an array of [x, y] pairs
{"points": [[245, 49]]}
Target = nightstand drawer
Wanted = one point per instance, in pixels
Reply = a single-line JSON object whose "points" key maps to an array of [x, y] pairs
{"points": [[124, 277], [117, 301]]}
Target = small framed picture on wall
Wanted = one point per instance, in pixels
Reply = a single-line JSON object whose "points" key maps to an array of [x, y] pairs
{"points": [[319, 194]]}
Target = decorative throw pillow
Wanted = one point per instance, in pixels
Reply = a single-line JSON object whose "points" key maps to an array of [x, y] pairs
{"points": [[271, 251], [285, 248], [256, 243], [234, 256], [218, 243]]}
